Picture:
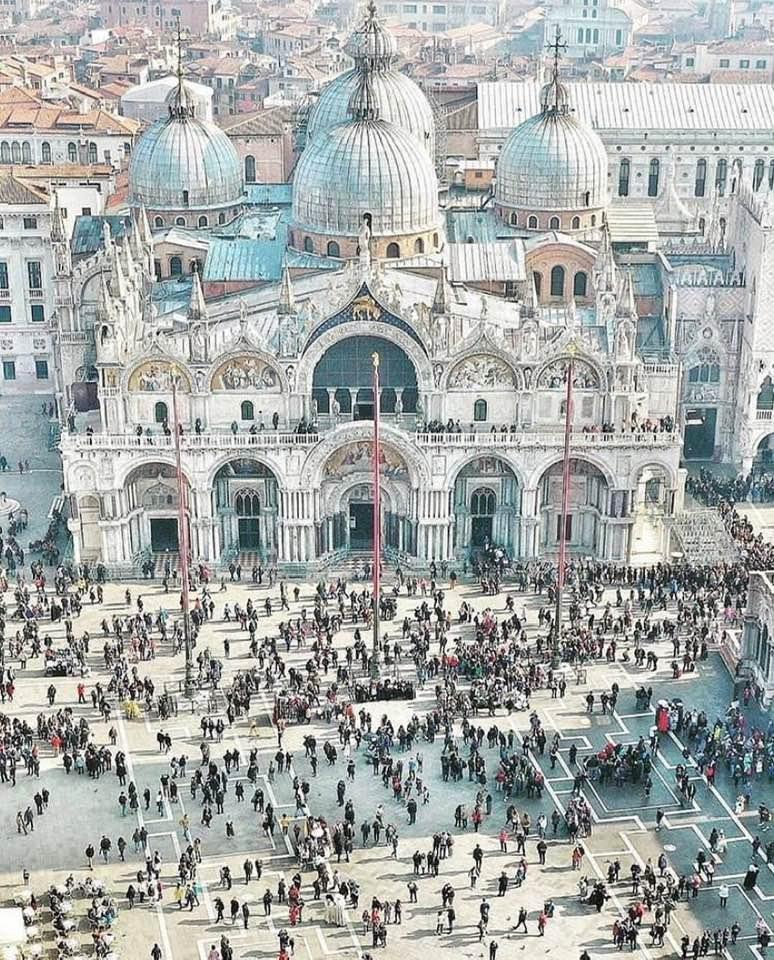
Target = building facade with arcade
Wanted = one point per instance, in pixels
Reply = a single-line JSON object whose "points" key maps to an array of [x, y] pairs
{"points": [[271, 381]]}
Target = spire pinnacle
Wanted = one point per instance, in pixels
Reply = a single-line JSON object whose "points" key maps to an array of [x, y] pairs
{"points": [[554, 96], [287, 299], [197, 308], [58, 232], [182, 107]]}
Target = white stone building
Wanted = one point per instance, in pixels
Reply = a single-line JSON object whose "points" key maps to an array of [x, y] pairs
{"points": [[26, 290], [274, 381], [757, 659]]}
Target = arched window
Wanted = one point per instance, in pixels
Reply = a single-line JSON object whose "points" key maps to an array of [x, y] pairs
{"points": [[221, 218], [758, 171], [435, 240], [419, 245], [185, 198], [623, 178], [653, 171], [247, 503], [92, 152], [72, 152], [469, 239], [333, 249], [248, 412], [721, 176], [700, 183], [26, 153], [514, 218], [707, 370], [537, 279], [5, 152], [308, 245], [554, 223], [175, 266], [393, 251], [160, 412], [702, 225], [576, 223], [158, 221], [593, 220], [250, 168], [579, 284], [482, 503], [480, 411], [771, 174], [766, 395], [45, 152], [557, 281], [203, 221], [15, 152], [157, 269], [532, 223]]}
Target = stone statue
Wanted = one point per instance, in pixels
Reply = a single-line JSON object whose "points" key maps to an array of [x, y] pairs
{"points": [[290, 374], [398, 406], [336, 409], [242, 320], [438, 374], [200, 381], [711, 306], [199, 343], [364, 247], [530, 342]]}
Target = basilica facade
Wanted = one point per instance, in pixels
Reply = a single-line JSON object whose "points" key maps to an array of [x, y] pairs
{"points": [[479, 316]]}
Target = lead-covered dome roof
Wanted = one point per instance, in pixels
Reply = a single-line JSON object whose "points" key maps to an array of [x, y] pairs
{"points": [[552, 161], [184, 162], [365, 166]]}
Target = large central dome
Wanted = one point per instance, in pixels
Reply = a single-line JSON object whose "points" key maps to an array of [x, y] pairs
{"points": [[552, 163], [365, 167], [398, 99], [182, 163]]}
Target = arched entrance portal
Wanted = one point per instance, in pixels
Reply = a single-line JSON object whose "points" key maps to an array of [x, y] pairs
{"points": [[487, 507], [348, 500], [764, 455], [653, 501], [246, 503], [153, 500], [587, 506], [343, 379]]}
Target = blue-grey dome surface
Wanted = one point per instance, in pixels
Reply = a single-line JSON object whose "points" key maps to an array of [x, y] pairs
{"points": [[365, 166], [183, 162]]}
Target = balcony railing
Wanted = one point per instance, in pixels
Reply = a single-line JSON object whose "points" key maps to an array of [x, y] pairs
{"points": [[269, 439], [529, 439], [764, 415]]}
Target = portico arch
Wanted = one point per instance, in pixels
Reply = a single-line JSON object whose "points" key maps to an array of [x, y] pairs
{"points": [[487, 506], [246, 508], [153, 504], [343, 377], [588, 506]]}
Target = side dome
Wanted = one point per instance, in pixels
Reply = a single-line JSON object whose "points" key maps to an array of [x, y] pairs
{"points": [[366, 170], [398, 100], [182, 163], [552, 163]]}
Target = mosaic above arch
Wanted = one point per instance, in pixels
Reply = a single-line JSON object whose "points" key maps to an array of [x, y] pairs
{"points": [[358, 456], [245, 373], [554, 375], [155, 376], [483, 371]]}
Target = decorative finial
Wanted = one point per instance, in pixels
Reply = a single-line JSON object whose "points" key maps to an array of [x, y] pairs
{"points": [[182, 109], [554, 99], [375, 358]]}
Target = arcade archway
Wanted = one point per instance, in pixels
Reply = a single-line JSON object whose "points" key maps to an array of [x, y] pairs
{"points": [[342, 384], [587, 507], [347, 498], [764, 455], [487, 507], [153, 502], [245, 503]]}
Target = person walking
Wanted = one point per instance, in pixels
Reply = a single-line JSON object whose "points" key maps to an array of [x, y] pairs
{"points": [[723, 895]]}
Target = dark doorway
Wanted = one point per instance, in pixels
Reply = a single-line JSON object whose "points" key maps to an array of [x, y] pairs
{"points": [[700, 434], [364, 405], [84, 396], [482, 531], [248, 533], [361, 526], [164, 534]]}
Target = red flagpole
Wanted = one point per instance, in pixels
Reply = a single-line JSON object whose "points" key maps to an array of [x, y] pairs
{"points": [[565, 504], [182, 522], [375, 654]]}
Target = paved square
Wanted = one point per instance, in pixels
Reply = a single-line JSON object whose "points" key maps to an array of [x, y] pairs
{"points": [[83, 809]]}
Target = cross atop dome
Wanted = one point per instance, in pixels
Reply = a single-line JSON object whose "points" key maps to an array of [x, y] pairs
{"points": [[182, 107], [554, 99]]}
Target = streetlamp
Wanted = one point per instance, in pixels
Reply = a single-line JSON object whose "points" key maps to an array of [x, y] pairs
{"points": [[182, 523]]}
